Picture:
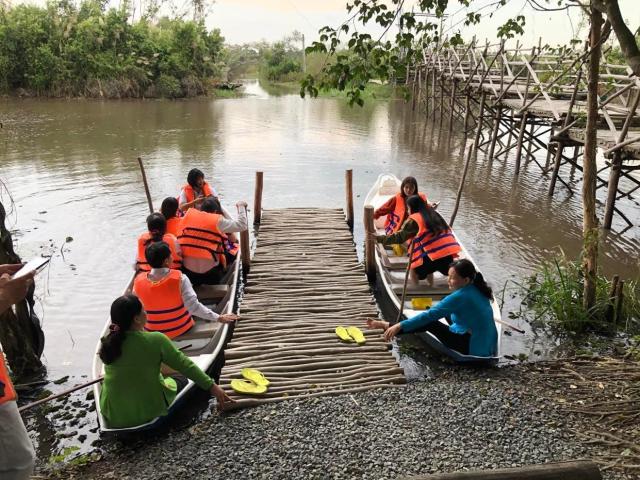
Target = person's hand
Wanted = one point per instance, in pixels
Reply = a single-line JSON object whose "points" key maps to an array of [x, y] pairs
{"points": [[232, 237], [434, 205], [228, 318], [241, 204], [391, 332], [13, 290], [10, 268], [221, 397]]}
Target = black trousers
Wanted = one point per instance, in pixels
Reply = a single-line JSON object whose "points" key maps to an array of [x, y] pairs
{"points": [[212, 277], [455, 341], [429, 266]]}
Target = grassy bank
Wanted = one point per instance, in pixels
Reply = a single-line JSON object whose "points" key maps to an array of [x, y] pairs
{"points": [[373, 91]]}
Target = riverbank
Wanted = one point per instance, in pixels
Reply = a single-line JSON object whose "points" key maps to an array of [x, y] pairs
{"points": [[117, 94], [374, 91], [459, 418]]}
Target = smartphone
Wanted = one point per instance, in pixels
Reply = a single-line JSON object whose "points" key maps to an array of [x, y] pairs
{"points": [[33, 265]]}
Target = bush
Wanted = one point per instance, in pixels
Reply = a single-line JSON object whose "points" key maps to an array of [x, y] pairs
{"points": [[169, 86], [554, 295]]}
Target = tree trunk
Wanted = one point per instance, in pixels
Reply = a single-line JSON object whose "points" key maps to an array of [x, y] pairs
{"points": [[589, 220], [20, 333]]}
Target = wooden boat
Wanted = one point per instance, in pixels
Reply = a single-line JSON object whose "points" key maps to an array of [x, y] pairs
{"points": [[391, 273], [203, 343]]}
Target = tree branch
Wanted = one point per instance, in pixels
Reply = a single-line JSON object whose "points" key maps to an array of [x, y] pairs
{"points": [[625, 37]]}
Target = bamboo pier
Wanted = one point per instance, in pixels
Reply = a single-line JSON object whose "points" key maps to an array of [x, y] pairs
{"points": [[531, 103], [305, 280]]}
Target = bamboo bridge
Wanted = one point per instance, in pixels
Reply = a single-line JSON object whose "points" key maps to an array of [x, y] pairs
{"points": [[305, 280], [533, 101]]}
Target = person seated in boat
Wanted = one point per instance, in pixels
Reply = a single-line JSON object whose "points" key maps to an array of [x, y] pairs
{"points": [[169, 210], [471, 329], [434, 246], [195, 191], [168, 296], [134, 391], [204, 241], [395, 208], [157, 232]]}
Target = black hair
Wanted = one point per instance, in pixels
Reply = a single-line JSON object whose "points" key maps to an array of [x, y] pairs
{"points": [[211, 205], [193, 176], [465, 269], [409, 181], [432, 219], [156, 253], [123, 310], [169, 207], [157, 226]]}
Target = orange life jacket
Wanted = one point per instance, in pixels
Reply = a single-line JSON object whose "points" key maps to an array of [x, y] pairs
{"points": [[200, 236], [173, 226], [7, 392], [144, 240], [396, 218], [190, 194], [162, 302], [426, 244]]}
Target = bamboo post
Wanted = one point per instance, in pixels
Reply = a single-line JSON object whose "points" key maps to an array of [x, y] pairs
{"points": [[406, 278], [467, 105], [476, 141], [434, 93], [576, 470], [348, 179], [609, 314], [616, 167], [441, 98], [257, 199], [245, 250], [523, 126], [556, 166], [58, 395], [496, 129], [619, 300], [146, 185], [369, 243], [532, 129], [460, 187], [510, 136], [453, 99], [413, 88], [426, 92], [549, 149]]}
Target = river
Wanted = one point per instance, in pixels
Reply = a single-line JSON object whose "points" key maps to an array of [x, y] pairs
{"points": [[70, 167]]}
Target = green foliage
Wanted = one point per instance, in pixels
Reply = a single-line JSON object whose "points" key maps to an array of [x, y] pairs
{"points": [[554, 296], [87, 49], [280, 63], [367, 58]]}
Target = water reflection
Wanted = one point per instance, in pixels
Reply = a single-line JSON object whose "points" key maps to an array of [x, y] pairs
{"points": [[71, 168]]}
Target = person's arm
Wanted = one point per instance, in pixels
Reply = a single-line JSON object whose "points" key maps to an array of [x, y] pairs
{"points": [[386, 209], [444, 308], [178, 361], [197, 309], [13, 290], [229, 225], [409, 230]]}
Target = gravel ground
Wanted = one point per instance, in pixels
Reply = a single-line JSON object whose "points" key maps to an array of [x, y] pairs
{"points": [[463, 419]]}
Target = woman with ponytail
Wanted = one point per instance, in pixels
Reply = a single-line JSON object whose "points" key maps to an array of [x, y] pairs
{"points": [[434, 244], [157, 232], [133, 391], [169, 210], [472, 330]]}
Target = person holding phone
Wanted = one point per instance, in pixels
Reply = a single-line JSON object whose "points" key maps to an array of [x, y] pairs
{"points": [[17, 456]]}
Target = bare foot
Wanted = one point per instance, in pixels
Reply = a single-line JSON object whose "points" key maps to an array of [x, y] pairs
{"points": [[430, 279], [372, 323]]}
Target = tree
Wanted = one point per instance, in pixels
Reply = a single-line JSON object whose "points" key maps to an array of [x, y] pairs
{"points": [[383, 59]]}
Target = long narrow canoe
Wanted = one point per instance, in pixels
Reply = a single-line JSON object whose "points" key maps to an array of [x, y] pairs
{"points": [[203, 343], [391, 272]]}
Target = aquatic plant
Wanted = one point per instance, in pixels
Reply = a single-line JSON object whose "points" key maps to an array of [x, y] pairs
{"points": [[553, 297]]}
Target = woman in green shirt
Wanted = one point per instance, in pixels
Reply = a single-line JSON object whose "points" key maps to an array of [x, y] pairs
{"points": [[134, 391]]}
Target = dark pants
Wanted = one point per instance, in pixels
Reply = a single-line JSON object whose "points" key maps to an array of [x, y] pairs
{"points": [[455, 341], [181, 381], [429, 266], [212, 277]]}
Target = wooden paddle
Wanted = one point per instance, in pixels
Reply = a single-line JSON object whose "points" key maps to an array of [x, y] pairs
{"points": [[406, 278], [146, 185]]}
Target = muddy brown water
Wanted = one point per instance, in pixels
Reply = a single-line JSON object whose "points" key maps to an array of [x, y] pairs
{"points": [[70, 167]]}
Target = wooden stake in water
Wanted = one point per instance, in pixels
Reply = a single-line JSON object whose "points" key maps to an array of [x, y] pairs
{"points": [[406, 278], [146, 185], [460, 187]]}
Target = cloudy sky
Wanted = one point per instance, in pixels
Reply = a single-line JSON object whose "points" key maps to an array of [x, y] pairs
{"points": [[252, 20]]}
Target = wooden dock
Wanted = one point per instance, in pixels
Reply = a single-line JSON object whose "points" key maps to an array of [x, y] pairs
{"points": [[305, 280]]}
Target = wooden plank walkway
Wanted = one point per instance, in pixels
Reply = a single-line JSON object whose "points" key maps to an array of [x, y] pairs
{"points": [[305, 280]]}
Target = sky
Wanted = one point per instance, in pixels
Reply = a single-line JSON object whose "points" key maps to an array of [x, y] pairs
{"points": [[242, 21]]}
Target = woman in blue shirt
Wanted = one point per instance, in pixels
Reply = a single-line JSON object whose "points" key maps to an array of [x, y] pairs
{"points": [[472, 330]]}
